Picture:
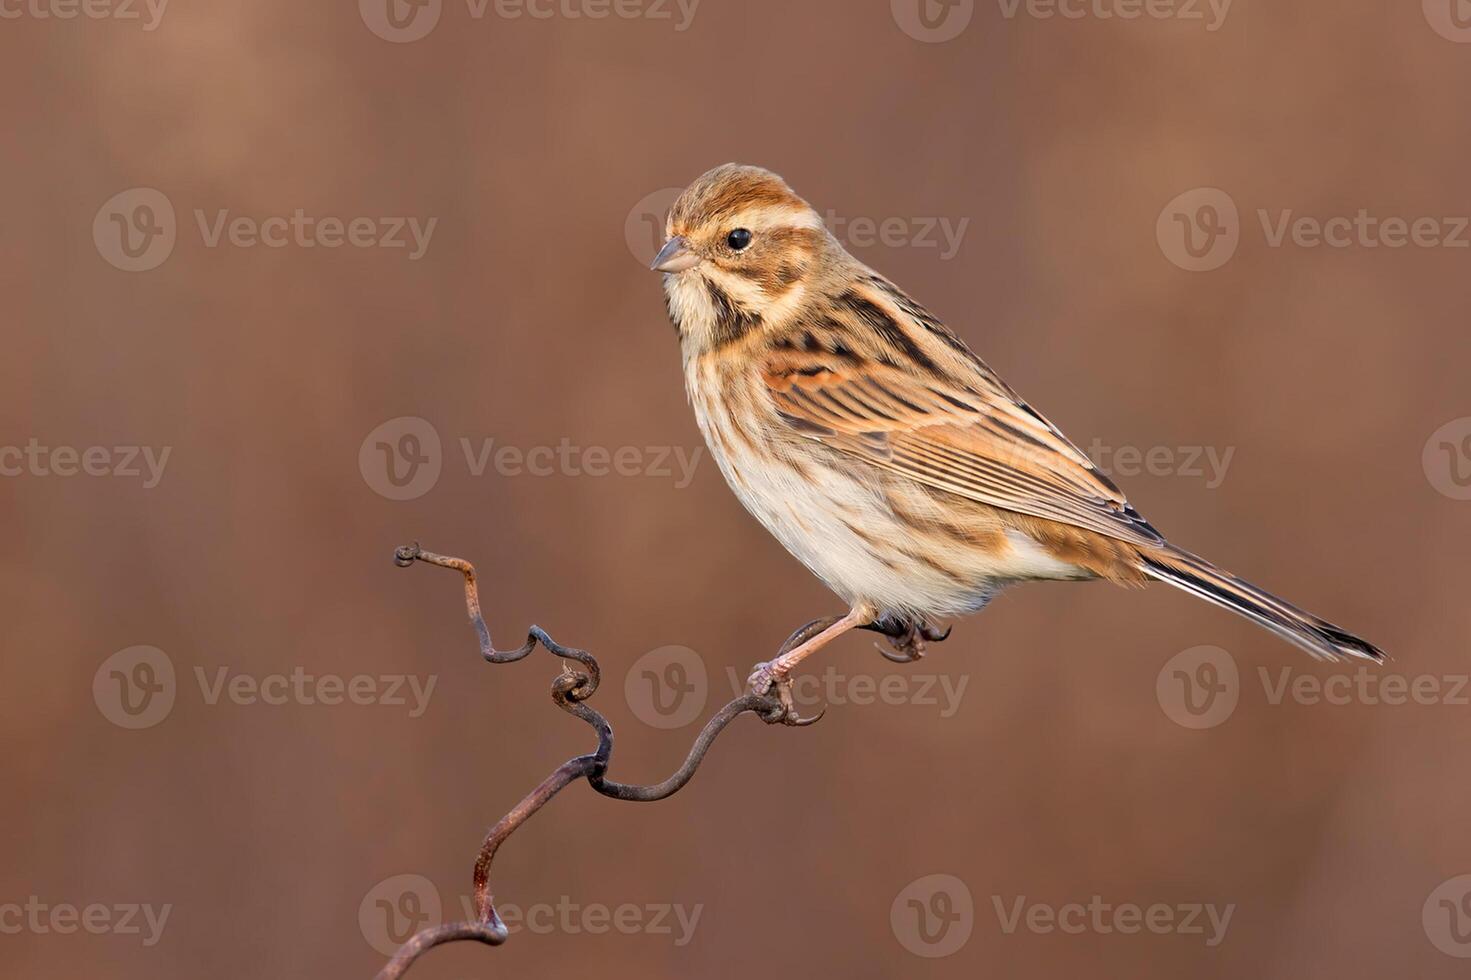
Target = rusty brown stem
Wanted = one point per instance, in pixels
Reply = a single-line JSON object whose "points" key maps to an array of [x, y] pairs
{"points": [[570, 690], [492, 934]]}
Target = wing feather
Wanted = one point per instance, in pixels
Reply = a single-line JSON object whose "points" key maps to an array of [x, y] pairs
{"points": [[941, 418]]}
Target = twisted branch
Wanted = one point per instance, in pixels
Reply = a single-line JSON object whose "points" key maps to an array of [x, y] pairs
{"points": [[570, 691]]}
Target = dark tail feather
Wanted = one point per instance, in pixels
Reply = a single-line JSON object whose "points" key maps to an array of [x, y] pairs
{"points": [[1199, 577]]}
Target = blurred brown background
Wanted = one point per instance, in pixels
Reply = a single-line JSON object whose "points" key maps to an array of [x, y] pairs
{"points": [[1063, 769]]}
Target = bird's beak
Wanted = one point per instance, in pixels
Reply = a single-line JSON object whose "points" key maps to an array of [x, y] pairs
{"points": [[675, 256]]}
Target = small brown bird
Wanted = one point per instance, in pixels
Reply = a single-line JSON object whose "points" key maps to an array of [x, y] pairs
{"points": [[880, 451]]}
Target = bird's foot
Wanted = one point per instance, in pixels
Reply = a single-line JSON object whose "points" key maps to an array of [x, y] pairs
{"points": [[768, 678], [908, 639]]}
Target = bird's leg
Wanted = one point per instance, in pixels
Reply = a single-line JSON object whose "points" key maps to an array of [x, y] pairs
{"points": [[908, 638], [804, 633], [806, 641]]}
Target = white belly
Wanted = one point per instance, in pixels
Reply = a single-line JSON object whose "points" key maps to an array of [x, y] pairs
{"points": [[844, 529]]}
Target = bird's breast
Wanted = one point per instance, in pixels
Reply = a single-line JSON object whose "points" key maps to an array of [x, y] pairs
{"points": [[845, 521]]}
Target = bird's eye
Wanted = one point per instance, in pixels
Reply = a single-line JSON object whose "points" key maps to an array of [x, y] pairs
{"points": [[738, 239]]}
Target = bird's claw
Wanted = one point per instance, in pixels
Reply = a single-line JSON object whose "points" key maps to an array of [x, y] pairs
{"points": [[908, 640], [767, 679]]}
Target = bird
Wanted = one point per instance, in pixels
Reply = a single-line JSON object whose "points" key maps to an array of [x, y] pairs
{"points": [[887, 457]]}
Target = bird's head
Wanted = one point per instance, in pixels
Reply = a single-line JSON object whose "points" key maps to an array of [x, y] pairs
{"points": [[742, 250]]}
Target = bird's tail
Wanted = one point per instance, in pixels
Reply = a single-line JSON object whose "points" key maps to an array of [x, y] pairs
{"points": [[1199, 577]]}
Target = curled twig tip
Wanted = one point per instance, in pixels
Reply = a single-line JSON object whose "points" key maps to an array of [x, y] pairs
{"points": [[577, 681]]}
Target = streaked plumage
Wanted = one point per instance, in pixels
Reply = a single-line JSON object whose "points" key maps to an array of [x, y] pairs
{"points": [[877, 448]]}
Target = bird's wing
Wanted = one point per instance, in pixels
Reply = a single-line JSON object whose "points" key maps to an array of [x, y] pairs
{"points": [[885, 383]]}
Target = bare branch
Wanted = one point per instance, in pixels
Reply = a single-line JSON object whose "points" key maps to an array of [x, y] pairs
{"points": [[570, 691]]}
